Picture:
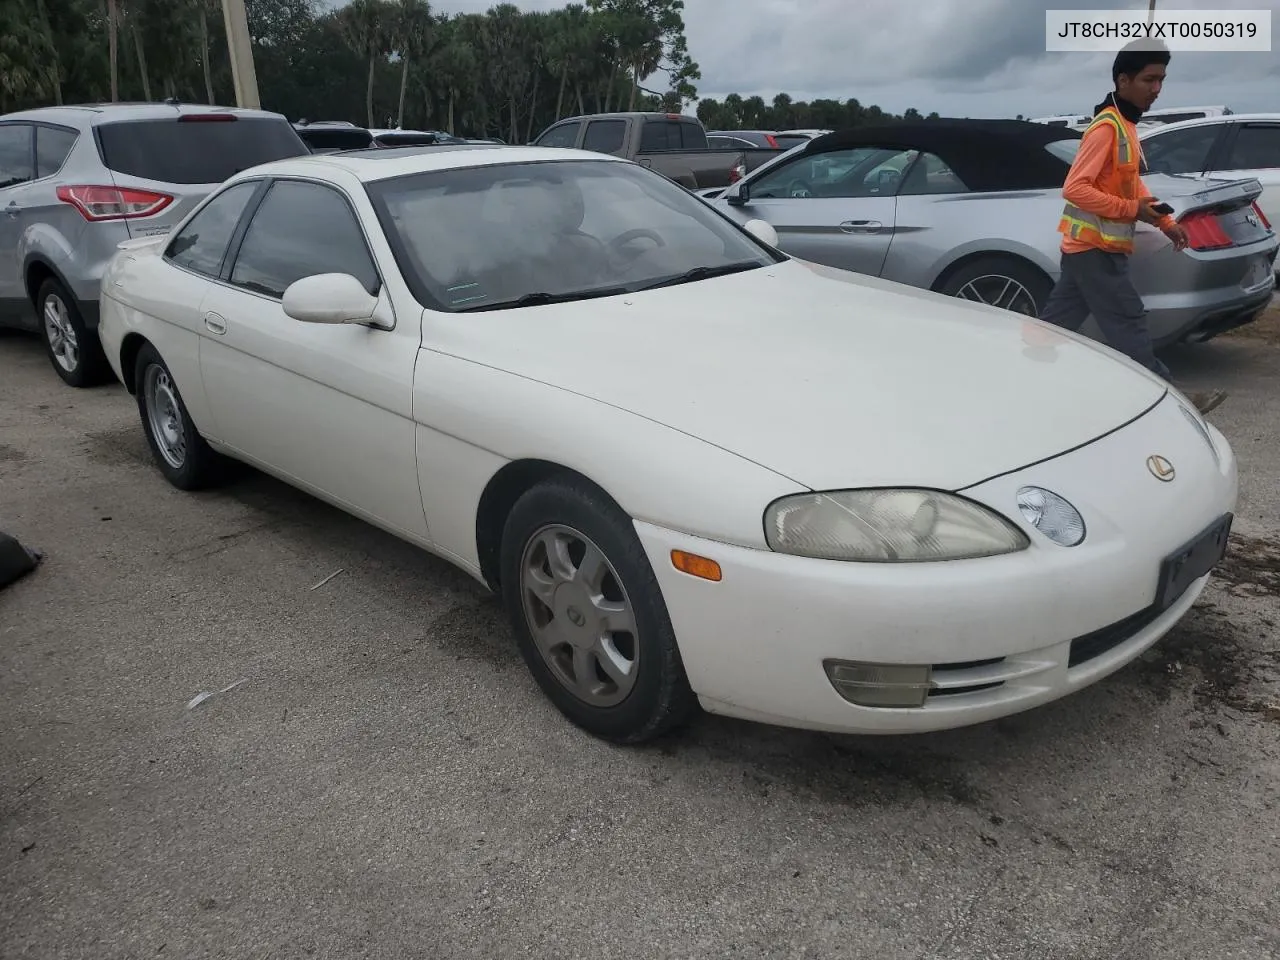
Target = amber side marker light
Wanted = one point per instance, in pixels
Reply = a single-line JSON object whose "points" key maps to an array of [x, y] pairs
{"points": [[695, 565]]}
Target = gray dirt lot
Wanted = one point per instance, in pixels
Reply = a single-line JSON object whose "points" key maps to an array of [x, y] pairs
{"points": [[389, 782]]}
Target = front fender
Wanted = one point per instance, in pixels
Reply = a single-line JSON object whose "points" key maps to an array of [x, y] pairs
{"points": [[473, 420]]}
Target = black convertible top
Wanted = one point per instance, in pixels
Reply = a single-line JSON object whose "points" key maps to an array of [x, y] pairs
{"points": [[987, 155]]}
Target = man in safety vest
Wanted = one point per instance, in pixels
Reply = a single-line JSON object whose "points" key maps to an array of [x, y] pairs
{"points": [[1105, 198]]}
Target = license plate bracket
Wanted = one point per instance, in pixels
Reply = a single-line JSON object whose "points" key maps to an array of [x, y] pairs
{"points": [[1192, 561]]}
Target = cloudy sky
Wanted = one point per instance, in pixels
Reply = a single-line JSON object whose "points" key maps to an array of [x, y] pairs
{"points": [[977, 58]]}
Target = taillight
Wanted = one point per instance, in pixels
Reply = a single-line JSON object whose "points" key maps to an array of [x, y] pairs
{"points": [[1204, 232], [737, 173], [772, 142], [206, 117], [113, 203], [1261, 216]]}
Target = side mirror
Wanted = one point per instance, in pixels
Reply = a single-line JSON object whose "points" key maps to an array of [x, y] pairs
{"points": [[329, 298], [738, 194], [762, 231]]}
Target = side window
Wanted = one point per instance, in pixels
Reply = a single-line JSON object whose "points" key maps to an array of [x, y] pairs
{"points": [[692, 136], [53, 144], [201, 244], [931, 175], [302, 229], [15, 154], [565, 135], [1180, 151], [843, 174], [1257, 147], [604, 136]]}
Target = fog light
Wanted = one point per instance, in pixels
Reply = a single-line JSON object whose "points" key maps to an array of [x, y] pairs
{"points": [[880, 684]]}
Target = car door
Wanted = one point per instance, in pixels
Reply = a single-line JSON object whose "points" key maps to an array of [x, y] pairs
{"points": [[1253, 150], [327, 407], [17, 168], [836, 208], [193, 259]]}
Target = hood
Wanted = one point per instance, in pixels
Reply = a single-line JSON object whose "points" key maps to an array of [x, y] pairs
{"points": [[829, 378]]}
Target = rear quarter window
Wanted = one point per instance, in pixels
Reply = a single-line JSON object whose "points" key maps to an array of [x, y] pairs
{"points": [[201, 151]]}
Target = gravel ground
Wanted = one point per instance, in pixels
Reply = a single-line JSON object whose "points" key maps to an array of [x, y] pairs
{"points": [[388, 782]]}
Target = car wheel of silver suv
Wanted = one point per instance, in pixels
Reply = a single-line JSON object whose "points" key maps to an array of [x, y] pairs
{"points": [[74, 350]]}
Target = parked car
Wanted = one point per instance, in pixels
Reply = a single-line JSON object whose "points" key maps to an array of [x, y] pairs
{"points": [[1224, 147], [970, 208], [616, 408], [672, 144], [754, 139], [332, 136], [76, 180]]}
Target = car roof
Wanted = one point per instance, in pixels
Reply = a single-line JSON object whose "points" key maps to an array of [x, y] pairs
{"points": [[1203, 121], [381, 163], [987, 155], [96, 114]]}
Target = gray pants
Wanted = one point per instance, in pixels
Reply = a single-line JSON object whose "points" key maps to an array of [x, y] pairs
{"points": [[1097, 282]]}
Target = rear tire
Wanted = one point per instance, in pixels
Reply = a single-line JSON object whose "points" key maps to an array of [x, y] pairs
{"points": [[182, 455], [72, 348], [596, 636], [1003, 281]]}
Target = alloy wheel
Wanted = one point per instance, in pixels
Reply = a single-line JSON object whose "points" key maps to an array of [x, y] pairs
{"points": [[579, 614], [164, 415], [61, 335], [1000, 291]]}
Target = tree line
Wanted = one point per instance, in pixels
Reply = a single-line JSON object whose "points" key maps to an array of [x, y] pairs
{"points": [[506, 73]]}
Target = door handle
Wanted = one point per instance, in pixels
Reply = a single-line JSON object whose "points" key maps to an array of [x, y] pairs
{"points": [[215, 324], [861, 226]]}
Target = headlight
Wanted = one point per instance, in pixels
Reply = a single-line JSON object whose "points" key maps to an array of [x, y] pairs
{"points": [[1052, 515], [1202, 429], [888, 526]]}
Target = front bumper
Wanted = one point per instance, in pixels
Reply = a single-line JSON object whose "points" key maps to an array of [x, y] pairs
{"points": [[1003, 634]]}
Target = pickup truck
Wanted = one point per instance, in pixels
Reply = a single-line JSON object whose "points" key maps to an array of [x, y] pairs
{"points": [[672, 144]]}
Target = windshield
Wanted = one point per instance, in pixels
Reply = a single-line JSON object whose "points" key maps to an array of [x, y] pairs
{"points": [[517, 234], [199, 150]]}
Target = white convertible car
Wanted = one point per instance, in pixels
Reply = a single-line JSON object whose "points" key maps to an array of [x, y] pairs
{"points": [[697, 471]]}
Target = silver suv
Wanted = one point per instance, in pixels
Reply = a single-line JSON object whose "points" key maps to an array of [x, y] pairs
{"points": [[77, 180]]}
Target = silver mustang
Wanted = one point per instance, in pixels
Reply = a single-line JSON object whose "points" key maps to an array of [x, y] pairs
{"points": [[970, 208]]}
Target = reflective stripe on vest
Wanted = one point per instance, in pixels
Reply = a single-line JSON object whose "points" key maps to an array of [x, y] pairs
{"points": [[1079, 224]]}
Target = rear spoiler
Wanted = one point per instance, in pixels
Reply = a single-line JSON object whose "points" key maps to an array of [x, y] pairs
{"points": [[1221, 195]]}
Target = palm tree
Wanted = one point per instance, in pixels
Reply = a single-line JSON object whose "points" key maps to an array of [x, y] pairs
{"points": [[413, 26], [364, 25]]}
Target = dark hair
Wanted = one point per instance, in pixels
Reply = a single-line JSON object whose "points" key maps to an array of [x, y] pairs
{"points": [[1133, 57]]}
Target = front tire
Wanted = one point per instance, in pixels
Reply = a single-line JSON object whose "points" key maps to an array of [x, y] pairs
{"points": [[1000, 281], [72, 348], [589, 616], [182, 455]]}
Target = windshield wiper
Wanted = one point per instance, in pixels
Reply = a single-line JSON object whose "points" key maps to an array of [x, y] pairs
{"points": [[703, 273], [543, 297]]}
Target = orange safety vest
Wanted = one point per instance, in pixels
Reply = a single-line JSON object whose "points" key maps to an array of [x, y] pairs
{"points": [[1115, 236]]}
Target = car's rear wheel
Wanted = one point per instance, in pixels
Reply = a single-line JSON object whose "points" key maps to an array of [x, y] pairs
{"points": [[1004, 282], [182, 455], [73, 349], [589, 616]]}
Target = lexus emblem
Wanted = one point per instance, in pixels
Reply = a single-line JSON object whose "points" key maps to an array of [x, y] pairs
{"points": [[1160, 468]]}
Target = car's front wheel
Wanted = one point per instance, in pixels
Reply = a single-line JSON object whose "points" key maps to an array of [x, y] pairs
{"points": [[73, 349], [182, 455], [589, 616]]}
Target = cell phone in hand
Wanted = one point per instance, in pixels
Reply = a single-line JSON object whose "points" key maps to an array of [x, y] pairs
{"points": [[1162, 208]]}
